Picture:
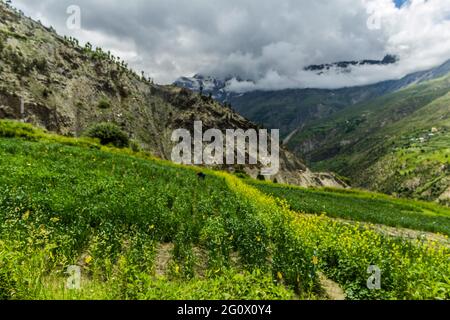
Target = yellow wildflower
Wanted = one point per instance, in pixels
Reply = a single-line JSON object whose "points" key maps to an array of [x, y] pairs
{"points": [[26, 215], [88, 259]]}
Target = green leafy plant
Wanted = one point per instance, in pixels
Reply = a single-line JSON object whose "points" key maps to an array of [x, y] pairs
{"points": [[108, 133], [104, 104]]}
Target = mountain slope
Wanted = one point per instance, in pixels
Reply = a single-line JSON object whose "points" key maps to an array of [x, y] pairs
{"points": [[294, 109], [51, 81], [389, 137], [398, 143], [290, 110]]}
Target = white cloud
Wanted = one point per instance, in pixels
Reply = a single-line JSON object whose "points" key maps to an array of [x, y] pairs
{"points": [[267, 41]]}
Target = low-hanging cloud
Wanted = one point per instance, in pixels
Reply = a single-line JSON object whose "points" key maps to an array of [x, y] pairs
{"points": [[267, 42]]}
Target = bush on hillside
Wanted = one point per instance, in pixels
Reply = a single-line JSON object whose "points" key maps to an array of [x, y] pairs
{"points": [[16, 129], [108, 133], [134, 146], [40, 64], [104, 104]]}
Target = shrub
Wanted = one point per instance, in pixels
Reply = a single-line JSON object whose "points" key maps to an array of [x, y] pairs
{"points": [[40, 64], [15, 129], [20, 65], [108, 133], [46, 93], [240, 173], [134, 146], [104, 104]]}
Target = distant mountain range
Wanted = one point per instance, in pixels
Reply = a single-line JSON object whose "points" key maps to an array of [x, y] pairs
{"points": [[218, 87], [206, 85], [291, 109], [390, 136]]}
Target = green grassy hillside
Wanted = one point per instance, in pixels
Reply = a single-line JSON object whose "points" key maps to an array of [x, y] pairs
{"points": [[291, 109], [362, 206], [396, 144], [65, 205], [142, 228]]}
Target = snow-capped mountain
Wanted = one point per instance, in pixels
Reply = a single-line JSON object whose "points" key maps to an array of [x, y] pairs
{"points": [[206, 85], [218, 87]]}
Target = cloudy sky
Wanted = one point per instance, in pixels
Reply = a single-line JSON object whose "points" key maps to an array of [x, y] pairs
{"points": [[266, 41]]}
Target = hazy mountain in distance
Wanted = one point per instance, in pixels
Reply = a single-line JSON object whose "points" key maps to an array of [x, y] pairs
{"points": [[292, 109], [391, 136]]}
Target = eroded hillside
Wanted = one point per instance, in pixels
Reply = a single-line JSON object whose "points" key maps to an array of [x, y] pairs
{"points": [[52, 81]]}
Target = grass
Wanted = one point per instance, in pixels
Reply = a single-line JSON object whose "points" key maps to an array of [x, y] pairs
{"points": [[362, 206], [62, 200], [228, 286], [70, 202]]}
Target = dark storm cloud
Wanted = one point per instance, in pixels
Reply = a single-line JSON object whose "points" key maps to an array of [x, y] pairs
{"points": [[268, 41]]}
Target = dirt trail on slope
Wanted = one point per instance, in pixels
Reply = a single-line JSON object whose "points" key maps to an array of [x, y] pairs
{"points": [[163, 257], [331, 289]]}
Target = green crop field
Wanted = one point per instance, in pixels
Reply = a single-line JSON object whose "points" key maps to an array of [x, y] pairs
{"points": [[363, 206], [66, 202]]}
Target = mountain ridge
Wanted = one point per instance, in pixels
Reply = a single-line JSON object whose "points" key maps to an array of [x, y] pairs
{"points": [[346, 130], [292, 109], [51, 81]]}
